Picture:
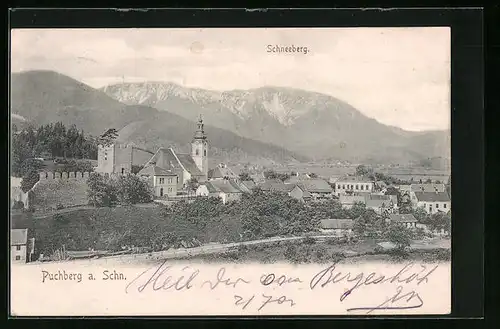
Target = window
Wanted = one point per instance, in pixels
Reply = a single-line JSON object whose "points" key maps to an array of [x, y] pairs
{"points": [[444, 205], [170, 180], [357, 187], [367, 187], [177, 179], [197, 152], [205, 152], [123, 170], [362, 187], [343, 187], [18, 257], [170, 189], [437, 205], [162, 180], [18, 248], [161, 191]]}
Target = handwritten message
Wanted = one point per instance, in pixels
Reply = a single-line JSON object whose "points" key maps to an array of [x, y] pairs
{"points": [[169, 288]]}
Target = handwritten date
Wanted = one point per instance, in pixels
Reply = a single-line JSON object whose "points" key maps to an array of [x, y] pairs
{"points": [[266, 300]]}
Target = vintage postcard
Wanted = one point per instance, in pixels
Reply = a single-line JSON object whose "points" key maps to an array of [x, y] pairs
{"points": [[225, 171]]}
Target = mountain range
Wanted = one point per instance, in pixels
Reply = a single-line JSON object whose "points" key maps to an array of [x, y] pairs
{"points": [[271, 124], [42, 97], [318, 126]]}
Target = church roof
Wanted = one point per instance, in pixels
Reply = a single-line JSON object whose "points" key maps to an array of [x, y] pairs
{"points": [[167, 159], [189, 164], [153, 170]]}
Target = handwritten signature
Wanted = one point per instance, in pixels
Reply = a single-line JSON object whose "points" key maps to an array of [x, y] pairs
{"points": [[328, 276], [163, 279], [387, 304]]}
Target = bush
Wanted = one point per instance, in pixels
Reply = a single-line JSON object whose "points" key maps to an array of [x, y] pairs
{"points": [[59, 206]]}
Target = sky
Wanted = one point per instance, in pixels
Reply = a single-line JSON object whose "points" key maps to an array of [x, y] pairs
{"points": [[398, 76]]}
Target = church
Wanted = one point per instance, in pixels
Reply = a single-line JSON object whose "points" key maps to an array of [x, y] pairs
{"points": [[166, 167]]}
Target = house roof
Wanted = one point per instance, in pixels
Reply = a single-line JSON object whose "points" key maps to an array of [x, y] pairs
{"points": [[305, 194], [168, 159], [402, 218], [18, 236], [337, 223], [153, 170], [348, 199], [432, 196], [221, 172], [224, 186], [316, 186], [354, 179], [377, 203], [427, 187], [188, 163]]}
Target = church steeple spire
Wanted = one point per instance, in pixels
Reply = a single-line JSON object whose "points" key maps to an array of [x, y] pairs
{"points": [[200, 132]]}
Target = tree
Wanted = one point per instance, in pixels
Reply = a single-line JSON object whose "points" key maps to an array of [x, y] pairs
{"points": [[135, 169], [420, 214], [29, 180], [271, 174], [131, 189], [100, 192], [399, 235], [440, 221], [108, 137], [192, 184], [245, 176], [357, 210], [363, 170]]}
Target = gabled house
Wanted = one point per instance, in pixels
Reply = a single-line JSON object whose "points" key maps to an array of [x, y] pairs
{"points": [[347, 201], [164, 182], [337, 227], [407, 220], [222, 172], [433, 202], [300, 194], [318, 188], [226, 190], [382, 204], [19, 245]]}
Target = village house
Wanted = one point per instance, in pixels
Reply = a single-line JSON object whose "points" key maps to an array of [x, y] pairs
{"points": [[318, 188], [352, 184], [348, 201], [164, 182], [222, 172], [337, 227], [382, 204], [426, 188], [433, 202], [226, 190], [407, 220], [19, 245], [300, 194]]}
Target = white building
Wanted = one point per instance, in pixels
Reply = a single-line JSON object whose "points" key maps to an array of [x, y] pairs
{"points": [[433, 202], [352, 184], [18, 245], [226, 190]]}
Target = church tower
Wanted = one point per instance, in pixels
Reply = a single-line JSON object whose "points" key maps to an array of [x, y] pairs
{"points": [[199, 149]]}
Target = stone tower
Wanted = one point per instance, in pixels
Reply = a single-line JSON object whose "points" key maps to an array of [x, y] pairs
{"points": [[199, 148]]}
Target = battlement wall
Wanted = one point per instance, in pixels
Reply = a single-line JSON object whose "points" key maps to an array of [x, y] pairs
{"points": [[48, 175]]}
